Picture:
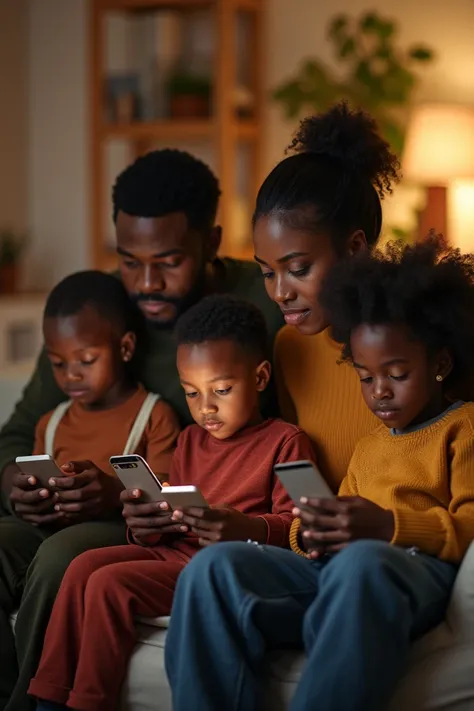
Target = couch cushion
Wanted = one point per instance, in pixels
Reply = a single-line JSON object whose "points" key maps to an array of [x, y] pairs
{"points": [[162, 622], [460, 615], [440, 675]]}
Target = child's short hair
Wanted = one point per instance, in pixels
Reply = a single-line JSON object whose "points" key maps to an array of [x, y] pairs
{"points": [[426, 286], [103, 292], [223, 317]]}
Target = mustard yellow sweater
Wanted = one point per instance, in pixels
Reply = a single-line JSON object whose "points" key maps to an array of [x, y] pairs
{"points": [[322, 397], [425, 477]]}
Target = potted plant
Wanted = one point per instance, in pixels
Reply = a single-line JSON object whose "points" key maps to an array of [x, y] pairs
{"points": [[375, 74], [189, 95], [12, 246]]}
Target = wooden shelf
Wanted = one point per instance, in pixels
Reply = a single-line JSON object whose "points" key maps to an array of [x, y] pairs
{"points": [[167, 130], [176, 130], [223, 132], [152, 5]]}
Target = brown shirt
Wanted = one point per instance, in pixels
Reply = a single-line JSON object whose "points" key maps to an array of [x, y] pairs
{"points": [[98, 435]]}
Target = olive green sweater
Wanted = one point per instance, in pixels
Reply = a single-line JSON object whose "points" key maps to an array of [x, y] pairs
{"points": [[157, 370]]}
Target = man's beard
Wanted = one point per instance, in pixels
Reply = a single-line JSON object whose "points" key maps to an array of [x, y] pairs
{"points": [[181, 304]]}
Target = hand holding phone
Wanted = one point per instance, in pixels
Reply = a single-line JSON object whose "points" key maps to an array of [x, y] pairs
{"points": [[214, 525], [31, 499], [184, 497], [135, 473], [329, 525], [144, 508], [84, 492], [302, 480], [148, 520]]}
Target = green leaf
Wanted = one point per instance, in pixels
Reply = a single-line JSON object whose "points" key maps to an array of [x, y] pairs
{"points": [[399, 233], [12, 246], [385, 51], [398, 83], [421, 54], [392, 131], [337, 26], [369, 22], [363, 73], [314, 71], [291, 97], [386, 29], [347, 48]]}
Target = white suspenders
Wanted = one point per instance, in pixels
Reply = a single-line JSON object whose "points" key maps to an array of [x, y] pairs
{"points": [[134, 437]]}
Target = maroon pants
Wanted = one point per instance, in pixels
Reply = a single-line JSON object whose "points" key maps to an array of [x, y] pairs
{"points": [[91, 633]]}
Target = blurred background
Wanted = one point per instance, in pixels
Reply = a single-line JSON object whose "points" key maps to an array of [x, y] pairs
{"points": [[88, 85]]}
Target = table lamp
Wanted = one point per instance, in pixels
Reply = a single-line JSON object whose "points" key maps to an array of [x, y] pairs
{"points": [[439, 150]]}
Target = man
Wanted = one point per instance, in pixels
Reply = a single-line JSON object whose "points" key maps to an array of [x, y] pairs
{"points": [[165, 206]]}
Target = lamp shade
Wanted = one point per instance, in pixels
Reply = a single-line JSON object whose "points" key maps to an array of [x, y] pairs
{"points": [[439, 145]]}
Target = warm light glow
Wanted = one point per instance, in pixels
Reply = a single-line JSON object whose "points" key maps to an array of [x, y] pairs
{"points": [[461, 215], [439, 146]]}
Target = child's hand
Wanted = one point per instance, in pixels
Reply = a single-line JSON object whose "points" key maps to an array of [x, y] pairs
{"points": [[328, 525], [222, 524], [85, 492], [31, 501], [148, 520]]}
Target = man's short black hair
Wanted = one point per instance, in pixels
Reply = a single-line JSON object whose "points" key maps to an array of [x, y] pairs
{"points": [[222, 317], [166, 181], [103, 292], [426, 287]]}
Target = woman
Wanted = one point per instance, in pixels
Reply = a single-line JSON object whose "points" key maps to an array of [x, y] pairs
{"points": [[316, 207]]}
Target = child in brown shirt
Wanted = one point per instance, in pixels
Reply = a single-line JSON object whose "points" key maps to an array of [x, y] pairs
{"points": [[90, 337]]}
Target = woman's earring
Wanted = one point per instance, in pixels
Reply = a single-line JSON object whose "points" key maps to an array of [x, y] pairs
{"points": [[439, 378]]}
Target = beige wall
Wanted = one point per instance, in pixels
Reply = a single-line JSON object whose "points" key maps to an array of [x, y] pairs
{"points": [[14, 113], [59, 146]]}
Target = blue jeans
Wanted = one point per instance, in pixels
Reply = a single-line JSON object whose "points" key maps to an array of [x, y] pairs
{"points": [[355, 614]]}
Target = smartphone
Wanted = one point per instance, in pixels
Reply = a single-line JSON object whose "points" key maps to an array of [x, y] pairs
{"points": [[184, 497], [135, 473], [302, 479], [41, 466]]}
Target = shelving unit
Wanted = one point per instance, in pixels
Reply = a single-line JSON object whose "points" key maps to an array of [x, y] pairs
{"points": [[224, 132]]}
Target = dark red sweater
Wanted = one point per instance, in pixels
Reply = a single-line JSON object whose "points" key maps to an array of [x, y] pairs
{"points": [[238, 473]]}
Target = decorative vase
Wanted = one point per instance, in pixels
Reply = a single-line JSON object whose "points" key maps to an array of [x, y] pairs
{"points": [[9, 277]]}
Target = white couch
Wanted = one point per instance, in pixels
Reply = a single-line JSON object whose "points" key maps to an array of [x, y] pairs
{"points": [[440, 674]]}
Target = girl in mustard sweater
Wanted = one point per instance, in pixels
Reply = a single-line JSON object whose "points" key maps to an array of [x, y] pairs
{"points": [[377, 563]]}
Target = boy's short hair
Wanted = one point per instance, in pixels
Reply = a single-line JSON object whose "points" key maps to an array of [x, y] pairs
{"points": [[166, 181], [103, 292], [426, 286], [222, 317]]}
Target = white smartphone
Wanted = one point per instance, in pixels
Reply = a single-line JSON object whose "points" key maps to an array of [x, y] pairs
{"points": [[302, 479], [135, 473], [41, 466], [184, 497]]}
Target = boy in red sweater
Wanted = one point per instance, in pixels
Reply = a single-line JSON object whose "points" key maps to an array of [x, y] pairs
{"points": [[229, 454]]}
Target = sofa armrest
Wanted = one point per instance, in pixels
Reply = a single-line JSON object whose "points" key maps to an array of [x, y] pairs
{"points": [[460, 614]]}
